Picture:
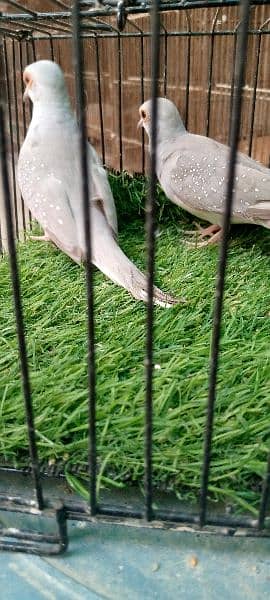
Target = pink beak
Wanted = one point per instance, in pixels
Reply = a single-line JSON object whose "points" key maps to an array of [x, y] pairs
{"points": [[140, 123]]}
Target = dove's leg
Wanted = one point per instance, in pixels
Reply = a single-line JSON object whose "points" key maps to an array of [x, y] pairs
{"points": [[202, 232], [216, 237], [210, 230], [213, 231]]}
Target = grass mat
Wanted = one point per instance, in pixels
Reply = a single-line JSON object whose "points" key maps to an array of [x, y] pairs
{"points": [[54, 307]]}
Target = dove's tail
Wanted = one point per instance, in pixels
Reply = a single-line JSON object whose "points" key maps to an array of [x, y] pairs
{"points": [[109, 258], [260, 213]]}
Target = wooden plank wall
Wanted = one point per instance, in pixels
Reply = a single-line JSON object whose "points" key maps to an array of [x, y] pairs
{"points": [[182, 58]]}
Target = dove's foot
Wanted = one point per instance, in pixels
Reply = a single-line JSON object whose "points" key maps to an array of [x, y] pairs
{"points": [[205, 231], [213, 231], [39, 238], [213, 239]]}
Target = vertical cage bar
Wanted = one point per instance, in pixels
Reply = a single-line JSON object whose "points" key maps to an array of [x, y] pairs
{"points": [[15, 96], [51, 48], [19, 318], [233, 79], [11, 137], [141, 38], [22, 89], [235, 130], [254, 95], [165, 60], [142, 98], [120, 102], [265, 496], [188, 69], [25, 212], [150, 228], [85, 173], [3, 88], [29, 104], [29, 60], [34, 54], [21, 221], [210, 73], [100, 101]]}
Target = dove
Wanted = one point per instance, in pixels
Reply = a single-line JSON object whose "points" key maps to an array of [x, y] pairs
{"points": [[49, 177], [193, 170]]}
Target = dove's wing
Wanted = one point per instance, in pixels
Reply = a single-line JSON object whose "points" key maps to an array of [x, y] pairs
{"points": [[252, 191], [252, 194], [261, 212], [189, 177], [194, 176], [101, 190], [243, 159], [48, 201]]}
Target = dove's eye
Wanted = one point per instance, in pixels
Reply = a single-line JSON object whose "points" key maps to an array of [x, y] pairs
{"points": [[143, 113], [26, 79]]}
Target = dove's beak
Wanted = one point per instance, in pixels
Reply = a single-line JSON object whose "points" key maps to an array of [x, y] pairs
{"points": [[25, 96], [27, 79], [140, 123]]}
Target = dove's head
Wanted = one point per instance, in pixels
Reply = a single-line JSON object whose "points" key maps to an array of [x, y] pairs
{"points": [[44, 82], [169, 122]]}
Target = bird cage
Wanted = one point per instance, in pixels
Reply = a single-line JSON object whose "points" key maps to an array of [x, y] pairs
{"points": [[114, 56]]}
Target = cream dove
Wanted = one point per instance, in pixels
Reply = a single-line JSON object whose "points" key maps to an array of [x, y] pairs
{"points": [[192, 170], [49, 178]]}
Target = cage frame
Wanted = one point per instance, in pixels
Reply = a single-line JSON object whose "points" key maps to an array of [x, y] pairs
{"points": [[201, 520]]}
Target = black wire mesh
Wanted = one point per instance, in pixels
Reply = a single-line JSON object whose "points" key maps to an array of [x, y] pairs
{"points": [[25, 29]]}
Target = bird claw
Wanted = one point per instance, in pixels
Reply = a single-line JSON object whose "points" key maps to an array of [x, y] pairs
{"points": [[213, 231]]}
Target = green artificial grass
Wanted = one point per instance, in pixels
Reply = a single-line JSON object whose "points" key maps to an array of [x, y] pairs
{"points": [[53, 294]]}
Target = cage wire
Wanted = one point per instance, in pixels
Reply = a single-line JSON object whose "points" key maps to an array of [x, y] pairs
{"points": [[30, 32]]}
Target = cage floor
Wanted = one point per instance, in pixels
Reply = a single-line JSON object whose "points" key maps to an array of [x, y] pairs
{"points": [[115, 562], [54, 305]]}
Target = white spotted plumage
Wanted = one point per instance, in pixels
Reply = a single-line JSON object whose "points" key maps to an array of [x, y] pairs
{"points": [[192, 170], [49, 177]]}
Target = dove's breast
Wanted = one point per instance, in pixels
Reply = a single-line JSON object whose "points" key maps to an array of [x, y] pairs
{"points": [[50, 149], [46, 180]]}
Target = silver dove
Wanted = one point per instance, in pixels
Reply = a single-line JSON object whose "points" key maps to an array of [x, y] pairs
{"points": [[193, 169], [49, 178]]}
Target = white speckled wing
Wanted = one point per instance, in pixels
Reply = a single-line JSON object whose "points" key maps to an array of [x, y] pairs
{"points": [[191, 180], [45, 196], [194, 176], [103, 190]]}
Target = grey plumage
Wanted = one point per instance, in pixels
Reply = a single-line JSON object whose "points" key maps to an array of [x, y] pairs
{"points": [[49, 177], [192, 171]]}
